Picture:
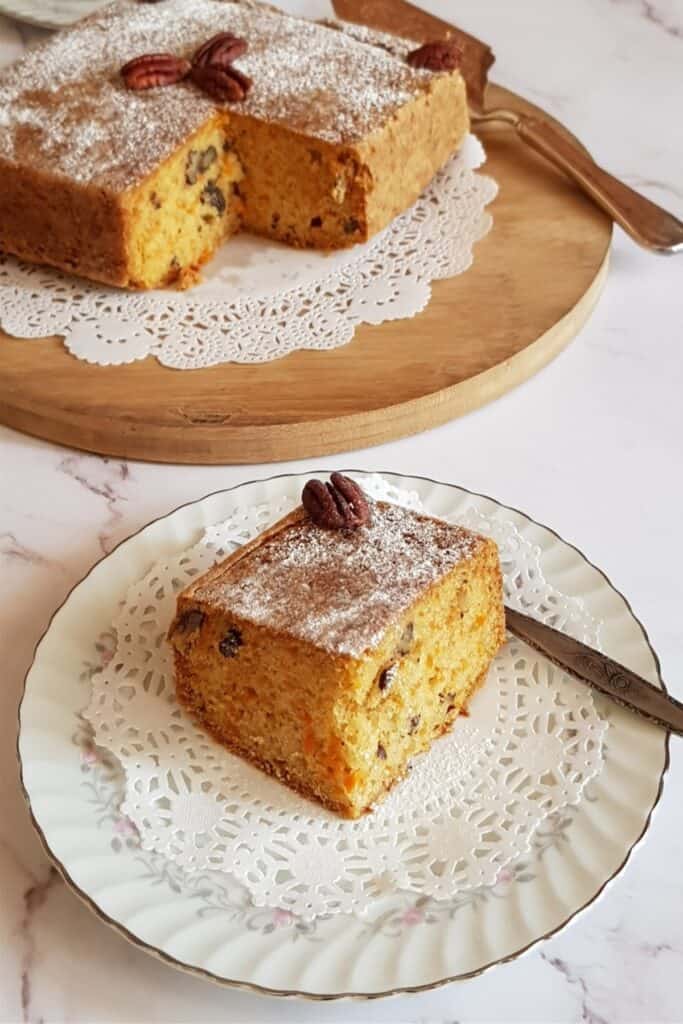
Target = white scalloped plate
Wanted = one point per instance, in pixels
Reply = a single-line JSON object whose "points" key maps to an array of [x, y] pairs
{"points": [[410, 945], [50, 13]]}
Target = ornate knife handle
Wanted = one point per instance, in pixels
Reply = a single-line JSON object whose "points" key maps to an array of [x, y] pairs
{"points": [[612, 679], [648, 224], [627, 688]]}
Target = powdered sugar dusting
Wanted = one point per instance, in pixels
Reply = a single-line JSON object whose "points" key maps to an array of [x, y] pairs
{"points": [[394, 45], [64, 109], [340, 590]]}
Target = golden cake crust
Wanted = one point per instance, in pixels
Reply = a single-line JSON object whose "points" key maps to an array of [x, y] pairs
{"points": [[339, 591]]}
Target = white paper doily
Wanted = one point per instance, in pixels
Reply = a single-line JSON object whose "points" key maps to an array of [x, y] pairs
{"points": [[532, 740], [260, 300]]}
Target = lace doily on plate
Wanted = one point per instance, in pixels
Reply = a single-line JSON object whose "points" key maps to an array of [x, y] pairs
{"points": [[259, 301], [531, 742]]}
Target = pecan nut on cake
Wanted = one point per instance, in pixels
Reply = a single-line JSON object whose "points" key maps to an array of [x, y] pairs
{"points": [[340, 643], [129, 149]]}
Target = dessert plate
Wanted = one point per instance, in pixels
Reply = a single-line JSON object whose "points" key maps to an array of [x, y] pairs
{"points": [[190, 921], [49, 13]]}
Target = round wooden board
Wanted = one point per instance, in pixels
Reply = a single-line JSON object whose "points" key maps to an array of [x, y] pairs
{"points": [[534, 282]]}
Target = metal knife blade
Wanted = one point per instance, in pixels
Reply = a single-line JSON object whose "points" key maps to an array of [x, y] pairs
{"points": [[404, 19], [596, 669]]}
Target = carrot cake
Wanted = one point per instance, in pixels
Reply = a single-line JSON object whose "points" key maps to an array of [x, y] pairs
{"points": [[134, 143], [340, 643]]}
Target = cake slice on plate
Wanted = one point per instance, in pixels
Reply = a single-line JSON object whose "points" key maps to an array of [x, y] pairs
{"points": [[126, 156], [340, 643]]}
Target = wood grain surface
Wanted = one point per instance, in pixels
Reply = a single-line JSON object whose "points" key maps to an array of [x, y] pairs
{"points": [[534, 282]]}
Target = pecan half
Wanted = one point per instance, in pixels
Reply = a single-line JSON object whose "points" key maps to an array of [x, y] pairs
{"points": [[189, 621], [213, 196], [222, 84], [154, 69], [439, 55], [231, 643], [405, 643], [386, 678], [339, 505], [220, 51], [243, 80]]}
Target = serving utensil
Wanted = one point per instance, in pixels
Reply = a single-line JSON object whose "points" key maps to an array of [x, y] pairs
{"points": [[596, 669], [647, 224]]}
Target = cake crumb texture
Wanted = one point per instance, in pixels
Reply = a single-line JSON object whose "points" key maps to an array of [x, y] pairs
{"points": [[332, 658]]}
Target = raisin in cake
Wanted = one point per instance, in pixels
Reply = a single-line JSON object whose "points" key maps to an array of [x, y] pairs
{"points": [[330, 657], [337, 134]]}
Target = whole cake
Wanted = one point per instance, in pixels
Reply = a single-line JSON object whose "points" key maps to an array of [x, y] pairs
{"points": [[340, 643], [130, 148]]}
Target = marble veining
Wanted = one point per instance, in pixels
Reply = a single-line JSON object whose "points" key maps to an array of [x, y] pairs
{"points": [[577, 983], [107, 484], [34, 898], [662, 15], [12, 548], [592, 446]]}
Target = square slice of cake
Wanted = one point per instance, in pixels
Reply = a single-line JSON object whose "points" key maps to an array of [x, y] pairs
{"points": [[340, 643], [136, 179]]}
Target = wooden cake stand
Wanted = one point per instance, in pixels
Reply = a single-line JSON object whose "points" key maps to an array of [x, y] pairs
{"points": [[534, 282]]}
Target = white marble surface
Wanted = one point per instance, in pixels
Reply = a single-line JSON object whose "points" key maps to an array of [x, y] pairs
{"points": [[592, 446]]}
